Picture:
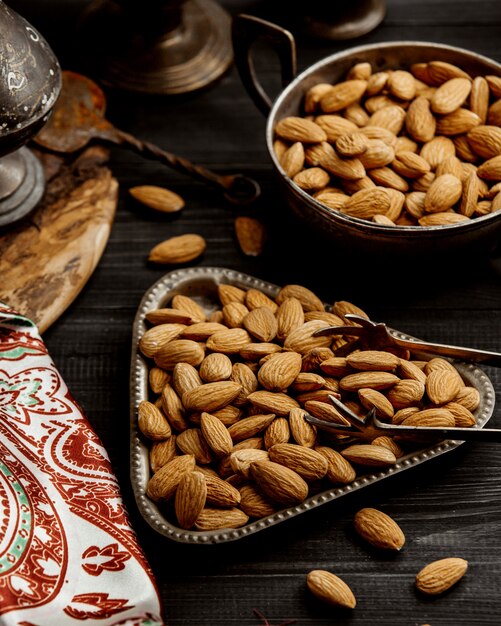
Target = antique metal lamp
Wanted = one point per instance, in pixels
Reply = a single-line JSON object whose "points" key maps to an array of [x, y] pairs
{"points": [[30, 81]]}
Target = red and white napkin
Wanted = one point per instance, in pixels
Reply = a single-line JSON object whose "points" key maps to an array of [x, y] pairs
{"points": [[68, 554]]}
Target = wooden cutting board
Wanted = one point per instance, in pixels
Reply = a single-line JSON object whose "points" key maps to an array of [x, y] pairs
{"points": [[46, 260]]}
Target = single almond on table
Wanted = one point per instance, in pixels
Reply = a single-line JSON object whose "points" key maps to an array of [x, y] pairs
{"points": [[330, 589], [180, 249], [251, 235], [379, 529], [157, 198], [439, 576]]}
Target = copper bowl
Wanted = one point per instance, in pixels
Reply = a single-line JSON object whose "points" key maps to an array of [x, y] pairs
{"points": [[481, 233]]}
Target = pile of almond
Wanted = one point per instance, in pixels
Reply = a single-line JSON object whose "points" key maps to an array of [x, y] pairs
{"points": [[396, 147], [230, 390]]}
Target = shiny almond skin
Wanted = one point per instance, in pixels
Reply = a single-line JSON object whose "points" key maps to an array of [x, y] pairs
{"points": [[163, 483], [190, 498], [175, 250], [278, 482], [378, 529], [308, 463], [439, 576], [330, 589], [374, 456]]}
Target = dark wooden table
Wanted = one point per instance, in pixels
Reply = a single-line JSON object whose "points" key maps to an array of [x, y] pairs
{"points": [[448, 507]]}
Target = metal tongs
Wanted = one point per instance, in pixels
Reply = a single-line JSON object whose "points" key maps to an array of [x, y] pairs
{"points": [[369, 427], [377, 336]]}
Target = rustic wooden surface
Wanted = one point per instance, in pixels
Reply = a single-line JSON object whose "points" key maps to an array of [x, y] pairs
{"points": [[449, 507], [46, 259]]}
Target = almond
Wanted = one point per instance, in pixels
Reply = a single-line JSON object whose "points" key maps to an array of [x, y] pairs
{"points": [[163, 483], [419, 120], [179, 350], [159, 336], [459, 122], [215, 367], [450, 95], [437, 150], [440, 72], [292, 161], [342, 95], [250, 426], [402, 84], [352, 145], [230, 293], [388, 442], [279, 483], [215, 519], [490, 169], [479, 98], [442, 219], [211, 396], [324, 411], [360, 71], [373, 360], [280, 371], [308, 463], [406, 393], [469, 198], [370, 398], [234, 313], [152, 422], [325, 156], [378, 529], [251, 235], [373, 456], [190, 307], [485, 141], [277, 432], [308, 300], [191, 441], [443, 386], [261, 323], [228, 341], [441, 575], [463, 417], [468, 397], [245, 377], [330, 589], [255, 504], [408, 369], [173, 408], [241, 460], [201, 331], [367, 203], [216, 434], [157, 378], [443, 193], [157, 198], [390, 117], [377, 154], [440, 418], [290, 315], [168, 316], [220, 492], [278, 403], [339, 470], [185, 378], [314, 95], [303, 433], [306, 381], [190, 498], [180, 249], [161, 452], [372, 380], [301, 339], [254, 298], [299, 129], [335, 126], [410, 164], [376, 83]]}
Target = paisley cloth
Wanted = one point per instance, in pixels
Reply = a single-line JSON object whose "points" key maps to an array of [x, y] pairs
{"points": [[68, 554]]}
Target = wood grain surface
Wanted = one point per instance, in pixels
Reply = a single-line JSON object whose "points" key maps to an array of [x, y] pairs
{"points": [[46, 260], [448, 507]]}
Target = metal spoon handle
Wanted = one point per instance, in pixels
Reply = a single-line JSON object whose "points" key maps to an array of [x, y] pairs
{"points": [[467, 354], [238, 189]]}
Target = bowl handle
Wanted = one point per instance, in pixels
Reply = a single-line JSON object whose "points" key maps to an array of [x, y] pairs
{"points": [[246, 30]]}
